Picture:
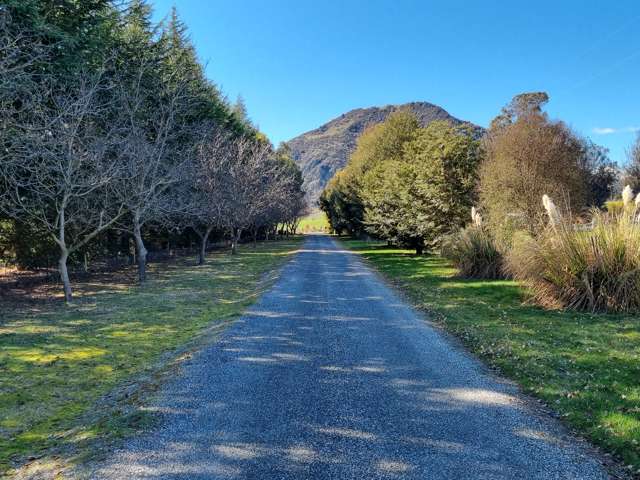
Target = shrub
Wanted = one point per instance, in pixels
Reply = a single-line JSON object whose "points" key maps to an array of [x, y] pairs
{"points": [[474, 253], [594, 268], [525, 156]]}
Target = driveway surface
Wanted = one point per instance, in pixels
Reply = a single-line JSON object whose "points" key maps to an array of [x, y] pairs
{"points": [[332, 376]]}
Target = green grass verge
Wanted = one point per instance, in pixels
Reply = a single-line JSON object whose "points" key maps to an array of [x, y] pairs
{"points": [[587, 367], [314, 222], [57, 364]]}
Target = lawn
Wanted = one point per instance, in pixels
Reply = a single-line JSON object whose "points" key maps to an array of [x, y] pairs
{"points": [[314, 222], [586, 367], [70, 377]]}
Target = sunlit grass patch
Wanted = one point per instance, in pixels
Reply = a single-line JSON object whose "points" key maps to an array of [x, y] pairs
{"points": [[585, 366], [56, 363], [314, 222]]}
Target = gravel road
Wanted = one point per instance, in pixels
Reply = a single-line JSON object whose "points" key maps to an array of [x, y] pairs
{"points": [[332, 376]]}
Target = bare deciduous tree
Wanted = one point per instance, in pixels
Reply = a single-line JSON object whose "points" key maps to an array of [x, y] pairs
{"points": [[58, 169], [249, 168], [241, 184], [155, 151], [208, 202]]}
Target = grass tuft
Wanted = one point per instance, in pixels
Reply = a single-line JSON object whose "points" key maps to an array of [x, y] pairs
{"points": [[585, 366], [595, 269], [474, 253]]}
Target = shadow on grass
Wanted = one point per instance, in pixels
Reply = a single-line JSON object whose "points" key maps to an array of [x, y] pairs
{"points": [[586, 366], [56, 362], [322, 379]]}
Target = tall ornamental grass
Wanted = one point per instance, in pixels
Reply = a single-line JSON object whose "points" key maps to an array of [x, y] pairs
{"points": [[473, 251], [592, 267]]}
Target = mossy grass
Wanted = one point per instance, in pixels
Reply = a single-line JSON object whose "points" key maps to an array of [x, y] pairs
{"points": [[70, 377], [585, 366]]}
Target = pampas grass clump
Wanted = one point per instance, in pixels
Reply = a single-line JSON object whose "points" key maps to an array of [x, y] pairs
{"points": [[473, 251], [594, 269]]}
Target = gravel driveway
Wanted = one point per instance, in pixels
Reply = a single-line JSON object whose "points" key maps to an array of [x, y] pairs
{"points": [[332, 376]]}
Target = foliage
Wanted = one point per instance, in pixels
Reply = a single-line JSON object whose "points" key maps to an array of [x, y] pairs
{"points": [[340, 202], [80, 31], [602, 175], [103, 113], [7, 234], [322, 152], [474, 253], [427, 192], [585, 366], [58, 362], [403, 183], [596, 269], [31, 245], [525, 158], [342, 199], [615, 207], [520, 106], [382, 142]]}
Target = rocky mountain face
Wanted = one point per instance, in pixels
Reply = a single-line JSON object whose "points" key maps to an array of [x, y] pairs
{"points": [[320, 153]]}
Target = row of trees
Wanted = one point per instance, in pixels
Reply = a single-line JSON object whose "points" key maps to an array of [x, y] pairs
{"points": [[111, 129], [413, 186]]}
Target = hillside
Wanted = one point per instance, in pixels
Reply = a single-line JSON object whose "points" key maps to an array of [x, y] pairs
{"points": [[325, 150]]}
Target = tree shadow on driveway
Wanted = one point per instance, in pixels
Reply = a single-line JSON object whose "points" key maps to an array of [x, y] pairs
{"points": [[331, 375]]}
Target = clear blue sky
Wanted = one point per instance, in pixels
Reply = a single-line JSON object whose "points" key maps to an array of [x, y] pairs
{"points": [[299, 63]]}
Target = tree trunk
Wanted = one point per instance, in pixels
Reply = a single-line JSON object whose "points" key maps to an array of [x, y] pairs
{"points": [[235, 240], [419, 249], [203, 251], [204, 240], [142, 252], [254, 233], [132, 252], [64, 256], [64, 275]]}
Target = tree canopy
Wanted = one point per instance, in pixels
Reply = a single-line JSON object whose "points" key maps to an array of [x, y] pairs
{"points": [[106, 119], [414, 185], [406, 184]]}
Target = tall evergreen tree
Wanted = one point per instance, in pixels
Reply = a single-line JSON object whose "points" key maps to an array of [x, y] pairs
{"points": [[181, 61], [427, 193]]}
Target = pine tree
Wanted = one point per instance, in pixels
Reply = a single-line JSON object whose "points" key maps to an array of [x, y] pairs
{"points": [[181, 61]]}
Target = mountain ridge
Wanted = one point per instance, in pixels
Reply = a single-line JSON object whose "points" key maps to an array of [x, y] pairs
{"points": [[321, 152]]}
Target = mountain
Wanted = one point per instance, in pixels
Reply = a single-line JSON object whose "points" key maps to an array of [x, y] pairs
{"points": [[320, 153]]}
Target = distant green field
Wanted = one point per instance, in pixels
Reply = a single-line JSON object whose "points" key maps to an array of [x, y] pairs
{"points": [[586, 367], [314, 222]]}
